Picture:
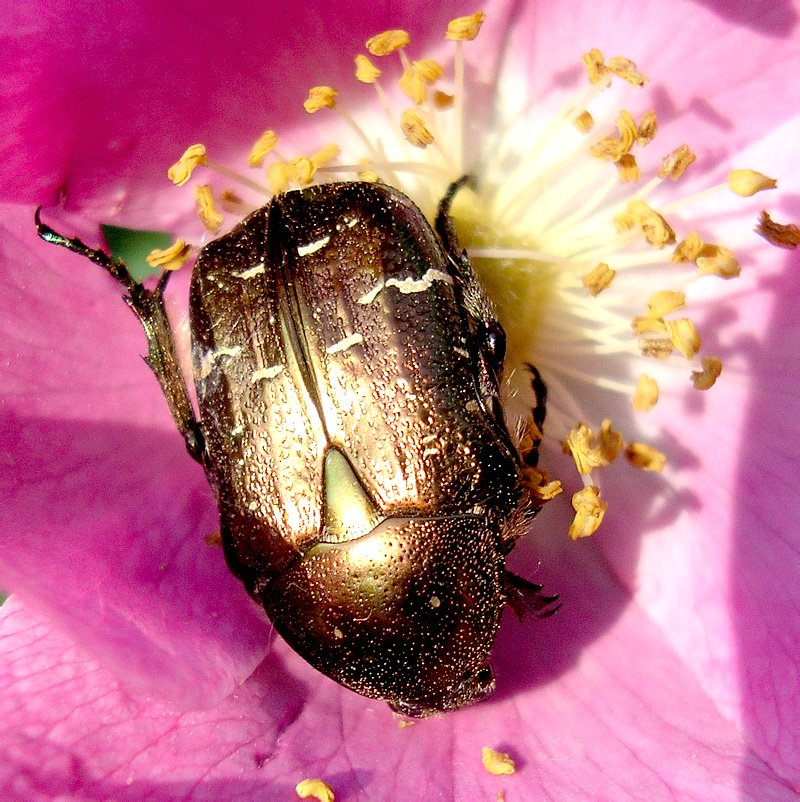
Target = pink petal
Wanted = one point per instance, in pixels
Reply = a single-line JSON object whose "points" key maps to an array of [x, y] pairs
{"points": [[99, 99], [684, 685], [717, 564], [105, 516], [607, 727]]}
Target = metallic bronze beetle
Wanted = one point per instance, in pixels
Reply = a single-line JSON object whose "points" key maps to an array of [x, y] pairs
{"points": [[347, 362]]}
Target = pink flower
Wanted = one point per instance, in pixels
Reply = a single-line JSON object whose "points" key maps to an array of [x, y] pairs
{"points": [[133, 665]]}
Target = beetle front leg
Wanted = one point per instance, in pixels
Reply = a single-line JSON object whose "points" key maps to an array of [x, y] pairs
{"points": [[148, 306]]}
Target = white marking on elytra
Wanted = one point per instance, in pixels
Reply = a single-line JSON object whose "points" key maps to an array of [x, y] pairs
{"points": [[346, 222], [251, 271], [344, 344], [368, 297], [409, 285], [210, 357], [266, 373], [462, 351], [429, 452], [312, 247]]}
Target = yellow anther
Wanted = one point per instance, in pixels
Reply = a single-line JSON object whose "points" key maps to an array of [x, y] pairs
{"points": [[646, 395], [497, 762], [214, 539], [674, 164], [414, 129], [624, 221], [584, 122], [369, 175], [716, 260], [589, 512], [643, 324], [705, 378], [387, 42], [231, 202], [316, 789], [610, 148], [462, 29], [302, 169], [610, 442], [627, 169], [265, 143], [684, 336], [656, 347], [428, 69], [627, 129], [413, 86], [278, 175], [654, 227], [648, 127], [596, 69], [324, 156], [689, 249], [581, 446], [598, 278], [663, 302], [784, 236], [206, 210], [748, 182], [645, 457], [626, 69], [539, 484], [172, 258], [442, 100], [366, 71], [320, 97], [181, 171]]}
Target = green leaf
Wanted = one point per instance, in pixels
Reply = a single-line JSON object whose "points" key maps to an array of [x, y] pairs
{"points": [[133, 247]]}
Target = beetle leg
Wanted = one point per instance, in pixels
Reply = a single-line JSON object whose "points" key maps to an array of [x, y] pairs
{"points": [[444, 223], [148, 305], [526, 598], [530, 451]]}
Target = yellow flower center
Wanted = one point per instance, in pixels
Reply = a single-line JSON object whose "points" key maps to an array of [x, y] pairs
{"points": [[580, 252]]}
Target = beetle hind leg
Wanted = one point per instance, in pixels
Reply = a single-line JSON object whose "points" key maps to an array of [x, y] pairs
{"points": [[148, 305], [534, 430], [526, 598]]}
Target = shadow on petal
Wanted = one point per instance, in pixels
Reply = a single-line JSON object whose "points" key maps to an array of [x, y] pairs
{"points": [[765, 563]]}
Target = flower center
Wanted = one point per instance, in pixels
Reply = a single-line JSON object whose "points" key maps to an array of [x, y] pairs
{"points": [[572, 240]]}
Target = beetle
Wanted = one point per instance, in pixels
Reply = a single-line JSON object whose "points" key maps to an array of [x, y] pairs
{"points": [[347, 366]]}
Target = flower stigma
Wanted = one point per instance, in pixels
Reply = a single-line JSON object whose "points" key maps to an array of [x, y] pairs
{"points": [[576, 228]]}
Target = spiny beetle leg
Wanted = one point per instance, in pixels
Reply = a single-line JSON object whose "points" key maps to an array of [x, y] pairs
{"points": [[148, 305], [444, 223], [526, 598]]}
